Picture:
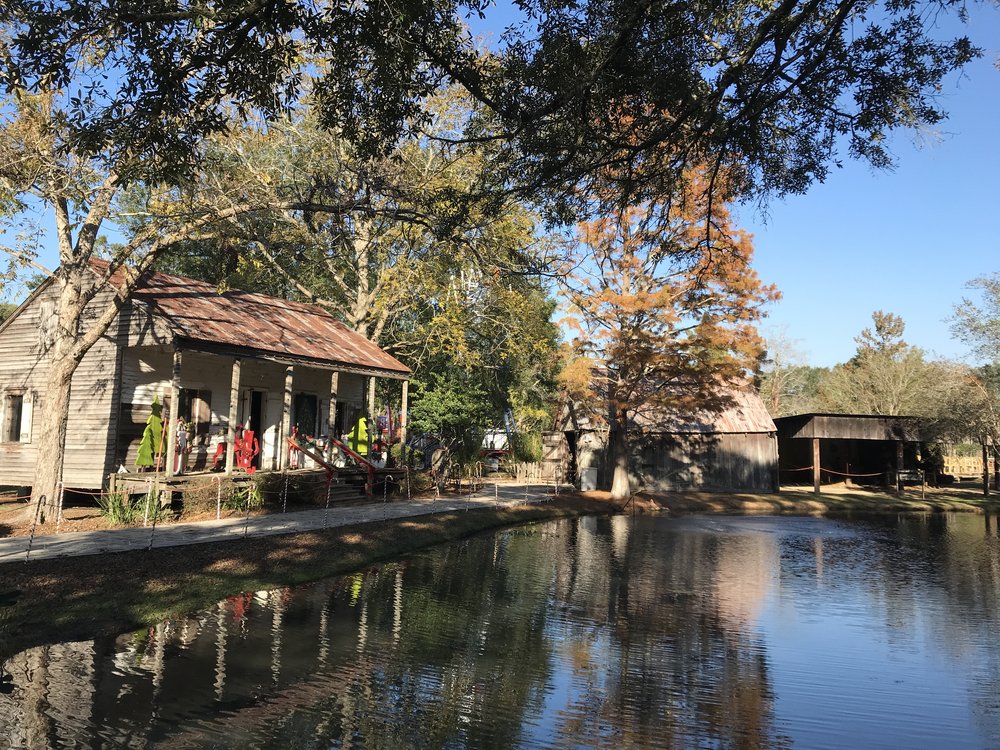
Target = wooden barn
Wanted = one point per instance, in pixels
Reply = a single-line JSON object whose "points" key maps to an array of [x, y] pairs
{"points": [[732, 450], [859, 448], [215, 360]]}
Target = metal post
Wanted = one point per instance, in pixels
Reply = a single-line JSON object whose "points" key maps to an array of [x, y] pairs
{"points": [[246, 521], [145, 511], [326, 509], [34, 523], [284, 495], [59, 510], [218, 499]]}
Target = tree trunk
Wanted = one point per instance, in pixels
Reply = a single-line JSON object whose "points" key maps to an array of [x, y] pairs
{"points": [[620, 489], [63, 361], [52, 430]]}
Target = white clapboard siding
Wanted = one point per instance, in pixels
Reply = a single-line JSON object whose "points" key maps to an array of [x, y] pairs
{"points": [[24, 357]]}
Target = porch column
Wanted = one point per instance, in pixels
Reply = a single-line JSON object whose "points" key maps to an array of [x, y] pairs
{"points": [[234, 405], [816, 465], [331, 418], [986, 468], [403, 422], [899, 465], [175, 405], [372, 422], [286, 419]]}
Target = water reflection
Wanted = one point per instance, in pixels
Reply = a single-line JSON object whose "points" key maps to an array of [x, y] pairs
{"points": [[617, 632]]}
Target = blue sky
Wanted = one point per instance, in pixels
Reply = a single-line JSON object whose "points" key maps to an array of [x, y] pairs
{"points": [[904, 241]]}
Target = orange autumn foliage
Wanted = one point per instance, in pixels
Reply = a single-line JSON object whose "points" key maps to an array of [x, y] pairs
{"points": [[665, 304]]}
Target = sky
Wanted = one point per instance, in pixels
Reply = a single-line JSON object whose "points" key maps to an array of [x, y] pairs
{"points": [[905, 241]]}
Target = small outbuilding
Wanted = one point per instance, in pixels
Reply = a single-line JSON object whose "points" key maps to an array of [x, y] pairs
{"points": [[861, 448], [216, 360], [734, 449]]}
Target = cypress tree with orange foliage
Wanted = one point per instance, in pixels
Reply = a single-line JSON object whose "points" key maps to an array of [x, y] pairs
{"points": [[664, 304]]}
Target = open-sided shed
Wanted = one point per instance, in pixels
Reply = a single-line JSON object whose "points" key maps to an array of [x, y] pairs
{"points": [[865, 448]]}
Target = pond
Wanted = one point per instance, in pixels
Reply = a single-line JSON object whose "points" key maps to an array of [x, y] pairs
{"points": [[645, 632]]}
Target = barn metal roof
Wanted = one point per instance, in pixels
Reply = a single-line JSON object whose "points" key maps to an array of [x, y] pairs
{"points": [[741, 411], [200, 314]]}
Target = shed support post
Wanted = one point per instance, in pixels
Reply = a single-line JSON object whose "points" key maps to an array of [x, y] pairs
{"points": [[372, 422], [404, 422], [234, 405], [331, 418], [899, 466], [175, 398], [816, 465], [286, 418]]}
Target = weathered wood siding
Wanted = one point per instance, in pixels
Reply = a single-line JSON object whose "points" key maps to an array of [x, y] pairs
{"points": [[24, 359], [713, 463], [664, 462], [848, 427]]}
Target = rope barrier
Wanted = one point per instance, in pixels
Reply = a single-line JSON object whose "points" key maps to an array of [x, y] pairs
{"points": [[842, 474], [15, 497]]}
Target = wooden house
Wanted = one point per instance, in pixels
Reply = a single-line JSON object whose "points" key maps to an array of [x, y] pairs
{"points": [[734, 449], [214, 359]]}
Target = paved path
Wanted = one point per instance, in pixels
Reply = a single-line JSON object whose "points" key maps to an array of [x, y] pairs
{"points": [[78, 543]]}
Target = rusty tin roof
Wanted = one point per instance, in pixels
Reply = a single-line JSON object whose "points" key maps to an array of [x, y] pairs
{"points": [[199, 314]]}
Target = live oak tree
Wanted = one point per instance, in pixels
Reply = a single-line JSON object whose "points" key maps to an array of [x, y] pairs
{"points": [[103, 94], [665, 304], [770, 92], [40, 169]]}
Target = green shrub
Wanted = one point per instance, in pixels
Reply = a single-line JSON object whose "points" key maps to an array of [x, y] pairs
{"points": [[526, 447], [119, 508]]}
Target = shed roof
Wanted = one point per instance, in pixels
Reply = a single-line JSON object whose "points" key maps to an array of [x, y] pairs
{"points": [[202, 316], [851, 427], [742, 411]]}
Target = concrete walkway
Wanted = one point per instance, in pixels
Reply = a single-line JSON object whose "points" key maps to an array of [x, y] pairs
{"points": [[79, 543]]}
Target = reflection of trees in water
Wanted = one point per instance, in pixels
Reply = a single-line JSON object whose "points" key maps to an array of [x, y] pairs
{"points": [[369, 660], [671, 660], [592, 632]]}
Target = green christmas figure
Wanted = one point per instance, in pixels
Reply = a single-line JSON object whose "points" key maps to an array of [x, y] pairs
{"points": [[151, 437]]}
